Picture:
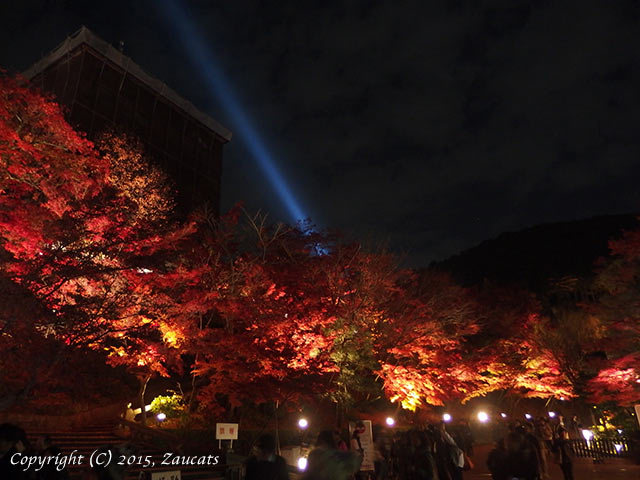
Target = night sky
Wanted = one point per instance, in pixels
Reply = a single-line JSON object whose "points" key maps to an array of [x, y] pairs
{"points": [[425, 126]]}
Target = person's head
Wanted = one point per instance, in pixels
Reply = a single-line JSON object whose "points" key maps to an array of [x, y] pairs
{"points": [[359, 427], [513, 441], [326, 439], [12, 436], [44, 442], [7, 437], [563, 434], [266, 444]]}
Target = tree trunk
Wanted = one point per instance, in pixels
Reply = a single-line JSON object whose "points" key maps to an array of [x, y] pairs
{"points": [[192, 404], [143, 388], [275, 415]]}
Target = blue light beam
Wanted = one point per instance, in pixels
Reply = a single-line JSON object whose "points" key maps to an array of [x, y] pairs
{"points": [[202, 57]]}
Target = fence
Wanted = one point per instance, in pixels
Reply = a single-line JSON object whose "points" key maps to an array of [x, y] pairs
{"points": [[602, 447]]}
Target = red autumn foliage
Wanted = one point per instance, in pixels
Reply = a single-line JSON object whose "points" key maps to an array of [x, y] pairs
{"points": [[87, 231], [618, 308]]}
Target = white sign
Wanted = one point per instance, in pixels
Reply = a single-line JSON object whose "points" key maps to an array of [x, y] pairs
{"points": [[175, 475], [226, 431], [637, 409], [366, 444]]}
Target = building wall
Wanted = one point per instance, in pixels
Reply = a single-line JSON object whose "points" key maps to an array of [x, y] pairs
{"points": [[100, 95]]}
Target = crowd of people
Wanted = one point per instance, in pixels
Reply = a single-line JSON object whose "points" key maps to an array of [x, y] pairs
{"points": [[13, 440], [529, 449], [441, 451]]}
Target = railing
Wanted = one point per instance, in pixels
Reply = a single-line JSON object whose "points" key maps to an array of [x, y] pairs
{"points": [[75, 421], [150, 437], [601, 447]]}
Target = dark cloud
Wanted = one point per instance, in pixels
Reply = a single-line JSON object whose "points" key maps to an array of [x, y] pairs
{"points": [[427, 125]]}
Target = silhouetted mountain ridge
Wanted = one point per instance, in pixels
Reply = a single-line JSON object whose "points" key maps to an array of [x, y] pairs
{"points": [[530, 257]]}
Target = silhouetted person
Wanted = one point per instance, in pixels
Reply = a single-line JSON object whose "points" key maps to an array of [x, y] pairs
{"points": [[464, 437], [49, 471], [326, 462], [12, 441], [266, 465], [340, 443], [497, 462], [564, 454], [575, 428], [522, 459], [451, 457]]}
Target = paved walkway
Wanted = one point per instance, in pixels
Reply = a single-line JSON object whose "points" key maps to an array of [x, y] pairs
{"points": [[583, 469]]}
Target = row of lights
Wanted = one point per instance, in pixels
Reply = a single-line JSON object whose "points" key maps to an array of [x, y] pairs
{"points": [[483, 417], [303, 423]]}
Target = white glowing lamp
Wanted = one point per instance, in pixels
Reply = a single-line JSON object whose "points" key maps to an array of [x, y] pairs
{"points": [[390, 421], [303, 423], [161, 417], [446, 417], [618, 447], [302, 463], [552, 414], [528, 416], [483, 417], [503, 415], [587, 434]]}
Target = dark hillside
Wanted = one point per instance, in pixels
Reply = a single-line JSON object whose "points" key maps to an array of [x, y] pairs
{"points": [[530, 257]]}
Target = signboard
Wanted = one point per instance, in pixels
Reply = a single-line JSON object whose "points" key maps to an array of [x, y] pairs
{"points": [[366, 443], [175, 475], [637, 409], [226, 431]]}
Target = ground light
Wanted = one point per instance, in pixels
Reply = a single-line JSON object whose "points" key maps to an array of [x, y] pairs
{"points": [[446, 417], [390, 421], [503, 415], [552, 414], [302, 463], [161, 417], [303, 423], [618, 447], [528, 416], [587, 434], [483, 417]]}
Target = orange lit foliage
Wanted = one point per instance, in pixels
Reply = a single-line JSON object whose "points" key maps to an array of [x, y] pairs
{"points": [[619, 310], [453, 344], [84, 230], [280, 321], [510, 351], [266, 330], [422, 343]]}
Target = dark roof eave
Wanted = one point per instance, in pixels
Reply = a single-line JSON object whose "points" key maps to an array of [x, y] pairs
{"points": [[86, 36]]}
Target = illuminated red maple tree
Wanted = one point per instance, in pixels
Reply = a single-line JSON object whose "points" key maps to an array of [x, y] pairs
{"points": [[618, 308], [264, 337], [87, 230]]}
